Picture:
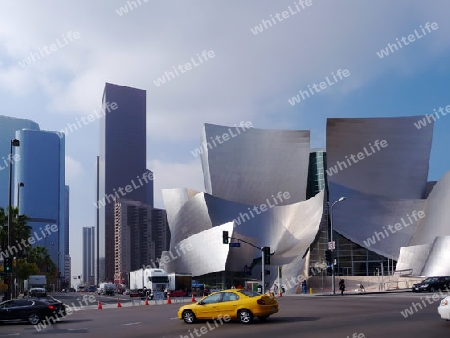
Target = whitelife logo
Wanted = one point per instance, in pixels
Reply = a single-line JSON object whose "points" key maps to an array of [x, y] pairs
{"points": [[33, 57], [411, 38], [187, 66]]}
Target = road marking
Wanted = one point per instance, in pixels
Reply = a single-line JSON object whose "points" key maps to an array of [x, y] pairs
{"points": [[173, 318], [135, 323], [9, 334]]}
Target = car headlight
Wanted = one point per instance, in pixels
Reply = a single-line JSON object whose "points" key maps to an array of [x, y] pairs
{"points": [[444, 302], [424, 286]]}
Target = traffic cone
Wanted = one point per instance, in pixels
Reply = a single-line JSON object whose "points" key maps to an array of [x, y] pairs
{"points": [[168, 300], [146, 301], [99, 307], [281, 294], [118, 303], [193, 298]]}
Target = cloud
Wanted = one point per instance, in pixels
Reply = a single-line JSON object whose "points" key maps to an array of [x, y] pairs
{"points": [[74, 169], [175, 175]]}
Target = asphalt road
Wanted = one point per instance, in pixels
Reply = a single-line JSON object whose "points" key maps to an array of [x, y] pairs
{"points": [[300, 316]]}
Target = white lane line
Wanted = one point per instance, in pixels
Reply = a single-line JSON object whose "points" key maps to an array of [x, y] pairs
{"points": [[173, 318], [9, 334], [135, 323]]}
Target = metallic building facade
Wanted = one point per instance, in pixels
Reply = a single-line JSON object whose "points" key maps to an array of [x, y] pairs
{"points": [[381, 166], [256, 189], [251, 165], [122, 162], [42, 170], [428, 251]]}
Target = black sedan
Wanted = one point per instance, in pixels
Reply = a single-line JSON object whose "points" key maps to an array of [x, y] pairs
{"points": [[432, 284], [31, 310]]}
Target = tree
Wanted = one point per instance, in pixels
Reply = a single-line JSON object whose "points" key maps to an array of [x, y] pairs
{"points": [[20, 231]]}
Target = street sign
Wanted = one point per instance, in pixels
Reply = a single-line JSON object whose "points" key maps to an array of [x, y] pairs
{"points": [[331, 245], [235, 245]]}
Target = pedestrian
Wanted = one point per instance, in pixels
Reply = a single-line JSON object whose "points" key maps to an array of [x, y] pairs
{"points": [[342, 286], [361, 288]]}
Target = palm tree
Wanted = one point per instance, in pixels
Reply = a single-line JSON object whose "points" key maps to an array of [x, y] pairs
{"points": [[20, 231]]}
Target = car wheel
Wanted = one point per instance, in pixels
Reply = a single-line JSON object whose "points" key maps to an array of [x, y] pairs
{"points": [[188, 317], [245, 316], [33, 319]]}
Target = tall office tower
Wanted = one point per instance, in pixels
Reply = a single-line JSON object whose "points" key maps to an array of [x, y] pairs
{"points": [[88, 255], [133, 244], [122, 162], [41, 169], [8, 128], [160, 231], [66, 238]]}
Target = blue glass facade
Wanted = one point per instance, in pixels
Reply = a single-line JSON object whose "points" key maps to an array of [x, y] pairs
{"points": [[8, 127], [42, 170]]}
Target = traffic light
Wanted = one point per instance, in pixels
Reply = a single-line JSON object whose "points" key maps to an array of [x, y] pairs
{"points": [[266, 255], [7, 281], [225, 237], [328, 257], [8, 264]]}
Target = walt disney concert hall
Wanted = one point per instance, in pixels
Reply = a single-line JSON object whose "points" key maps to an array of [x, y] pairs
{"points": [[269, 188]]}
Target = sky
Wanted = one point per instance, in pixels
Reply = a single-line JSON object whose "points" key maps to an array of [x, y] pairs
{"points": [[250, 58]]}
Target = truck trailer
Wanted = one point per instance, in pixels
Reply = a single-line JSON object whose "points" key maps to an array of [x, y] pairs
{"points": [[180, 284], [153, 283]]}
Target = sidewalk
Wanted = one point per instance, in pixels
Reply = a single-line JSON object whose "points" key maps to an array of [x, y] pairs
{"points": [[338, 293]]}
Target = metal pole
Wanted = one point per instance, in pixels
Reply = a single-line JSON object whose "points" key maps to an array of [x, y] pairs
{"points": [[9, 295], [263, 272], [333, 283]]}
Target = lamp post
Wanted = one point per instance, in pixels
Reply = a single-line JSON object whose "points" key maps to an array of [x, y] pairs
{"points": [[333, 283], [14, 143], [19, 185]]}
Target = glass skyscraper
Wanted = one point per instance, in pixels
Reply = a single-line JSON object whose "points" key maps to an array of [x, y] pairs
{"points": [[122, 163], [42, 171], [8, 127]]}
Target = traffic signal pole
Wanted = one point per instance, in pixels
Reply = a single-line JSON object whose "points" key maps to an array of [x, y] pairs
{"points": [[263, 272]]}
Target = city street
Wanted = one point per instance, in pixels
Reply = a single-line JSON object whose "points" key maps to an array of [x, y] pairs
{"points": [[370, 315]]}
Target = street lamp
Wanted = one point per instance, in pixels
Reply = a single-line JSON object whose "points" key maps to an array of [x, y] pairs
{"points": [[19, 185], [14, 143], [333, 283]]}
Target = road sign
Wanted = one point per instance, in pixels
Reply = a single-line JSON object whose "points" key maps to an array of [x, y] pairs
{"points": [[235, 245], [331, 245]]}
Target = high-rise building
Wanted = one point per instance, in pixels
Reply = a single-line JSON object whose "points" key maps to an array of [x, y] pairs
{"points": [[8, 128], [41, 169], [67, 260], [133, 244], [160, 232], [88, 255], [122, 163]]}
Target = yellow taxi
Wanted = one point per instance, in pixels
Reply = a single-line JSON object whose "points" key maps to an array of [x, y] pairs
{"points": [[239, 304]]}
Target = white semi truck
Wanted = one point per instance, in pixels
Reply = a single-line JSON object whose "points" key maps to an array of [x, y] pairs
{"points": [[153, 283]]}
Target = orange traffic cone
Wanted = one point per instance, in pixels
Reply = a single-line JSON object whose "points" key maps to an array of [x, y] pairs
{"points": [[193, 298], [118, 303], [168, 300], [146, 301], [99, 305]]}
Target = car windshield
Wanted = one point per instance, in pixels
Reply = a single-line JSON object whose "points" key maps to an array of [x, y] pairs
{"points": [[250, 293], [430, 280]]}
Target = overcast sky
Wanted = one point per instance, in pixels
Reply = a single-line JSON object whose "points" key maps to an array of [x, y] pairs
{"points": [[251, 77]]}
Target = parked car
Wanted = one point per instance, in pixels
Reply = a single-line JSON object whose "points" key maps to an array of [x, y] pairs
{"points": [[444, 308], [38, 292], [235, 303], [92, 288], [31, 309], [432, 284]]}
